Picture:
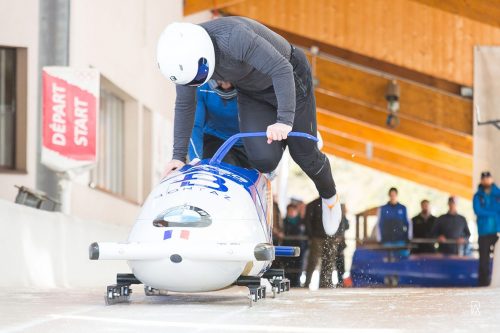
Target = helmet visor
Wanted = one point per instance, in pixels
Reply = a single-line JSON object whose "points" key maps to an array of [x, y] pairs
{"points": [[201, 75]]}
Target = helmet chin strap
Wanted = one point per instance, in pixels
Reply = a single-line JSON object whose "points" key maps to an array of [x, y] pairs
{"points": [[224, 94]]}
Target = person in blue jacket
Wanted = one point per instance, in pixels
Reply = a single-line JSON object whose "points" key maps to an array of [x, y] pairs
{"points": [[486, 204], [393, 226], [216, 120]]}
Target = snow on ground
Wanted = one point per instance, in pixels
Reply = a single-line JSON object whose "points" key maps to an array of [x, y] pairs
{"points": [[228, 311]]}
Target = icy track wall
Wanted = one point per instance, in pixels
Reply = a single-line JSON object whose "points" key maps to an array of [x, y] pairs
{"points": [[50, 250]]}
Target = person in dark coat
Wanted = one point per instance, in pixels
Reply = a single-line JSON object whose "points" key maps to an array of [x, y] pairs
{"points": [[486, 204], [451, 226], [323, 248], [278, 233], [341, 245], [294, 228], [422, 227]]}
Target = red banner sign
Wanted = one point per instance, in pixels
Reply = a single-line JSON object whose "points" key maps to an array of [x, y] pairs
{"points": [[70, 104]]}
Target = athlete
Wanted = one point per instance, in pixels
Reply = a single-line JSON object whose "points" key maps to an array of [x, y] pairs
{"points": [[275, 95], [215, 121]]}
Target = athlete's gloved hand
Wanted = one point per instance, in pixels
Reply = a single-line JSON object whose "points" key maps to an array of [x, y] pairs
{"points": [[172, 166], [277, 132]]}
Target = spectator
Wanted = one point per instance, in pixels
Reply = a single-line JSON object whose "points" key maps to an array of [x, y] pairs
{"points": [[278, 233], [317, 237], [323, 249], [216, 119], [451, 226], [294, 229], [487, 208], [341, 245], [393, 225], [422, 227]]}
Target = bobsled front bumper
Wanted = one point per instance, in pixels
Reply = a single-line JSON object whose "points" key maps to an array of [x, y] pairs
{"points": [[179, 250]]}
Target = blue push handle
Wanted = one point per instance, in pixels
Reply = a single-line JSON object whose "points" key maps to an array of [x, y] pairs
{"points": [[226, 146], [287, 251]]}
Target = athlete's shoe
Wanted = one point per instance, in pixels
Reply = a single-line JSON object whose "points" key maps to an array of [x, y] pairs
{"points": [[332, 214]]}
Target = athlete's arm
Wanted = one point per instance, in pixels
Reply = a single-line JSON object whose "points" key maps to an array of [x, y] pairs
{"points": [[249, 47], [196, 144], [185, 105]]}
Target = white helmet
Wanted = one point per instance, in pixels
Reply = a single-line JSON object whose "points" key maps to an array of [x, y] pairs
{"points": [[185, 54]]}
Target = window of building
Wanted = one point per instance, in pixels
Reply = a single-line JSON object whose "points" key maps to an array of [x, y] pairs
{"points": [[118, 170], [109, 172], [147, 152], [7, 108]]}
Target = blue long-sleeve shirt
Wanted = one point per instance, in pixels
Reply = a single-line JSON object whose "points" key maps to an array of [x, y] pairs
{"points": [[393, 224], [487, 209], [214, 116]]}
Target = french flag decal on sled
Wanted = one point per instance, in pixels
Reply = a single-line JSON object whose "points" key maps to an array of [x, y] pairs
{"points": [[185, 234], [168, 234]]}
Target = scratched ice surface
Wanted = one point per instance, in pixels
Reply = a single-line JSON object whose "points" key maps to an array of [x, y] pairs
{"points": [[228, 311]]}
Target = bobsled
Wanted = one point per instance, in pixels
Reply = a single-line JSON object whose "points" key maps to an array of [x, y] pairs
{"points": [[204, 227]]}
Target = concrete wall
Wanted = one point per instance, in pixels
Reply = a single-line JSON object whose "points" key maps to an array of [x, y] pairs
{"points": [[19, 28], [487, 98], [118, 37], [46, 249], [122, 46]]}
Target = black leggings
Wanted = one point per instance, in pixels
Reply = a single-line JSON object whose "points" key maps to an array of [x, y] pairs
{"points": [[257, 110], [235, 156], [486, 246]]}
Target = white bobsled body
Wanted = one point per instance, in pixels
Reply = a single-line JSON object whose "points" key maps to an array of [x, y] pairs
{"points": [[200, 229]]}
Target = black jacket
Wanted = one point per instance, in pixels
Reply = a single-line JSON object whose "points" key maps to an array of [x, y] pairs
{"points": [[422, 228], [452, 227]]}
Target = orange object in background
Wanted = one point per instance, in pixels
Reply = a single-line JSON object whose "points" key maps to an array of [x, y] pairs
{"points": [[348, 282]]}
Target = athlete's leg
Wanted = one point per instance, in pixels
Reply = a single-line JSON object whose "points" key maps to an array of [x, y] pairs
{"points": [[255, 116], [239, 154], [306, 152], [308, 156]]}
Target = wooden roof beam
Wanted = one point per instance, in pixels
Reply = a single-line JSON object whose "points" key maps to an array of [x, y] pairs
{"points": [[396, 170], [195, 6], [408, 126], [387, 138], [375, 151], [416, 101], [486, 11], [362, 59]]}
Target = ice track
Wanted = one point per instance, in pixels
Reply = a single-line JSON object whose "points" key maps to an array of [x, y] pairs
{"points": [[62, 310]]}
